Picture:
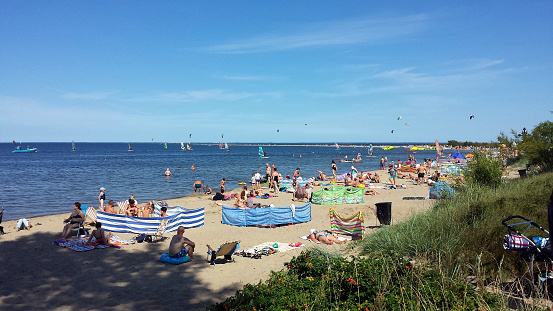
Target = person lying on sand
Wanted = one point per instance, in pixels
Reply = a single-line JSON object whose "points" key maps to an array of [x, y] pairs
{"points": [[181, 246], [99, 234], [371, 192], [22, 224], [321, 236]]}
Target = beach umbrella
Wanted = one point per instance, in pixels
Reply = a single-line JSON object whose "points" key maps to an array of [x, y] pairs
{"points": [[458, 155]]}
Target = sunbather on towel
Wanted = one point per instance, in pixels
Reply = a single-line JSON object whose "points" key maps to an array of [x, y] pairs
{"points": [[23, 223], [181, 246], [99, 234], [321, 236], [73, 221]]}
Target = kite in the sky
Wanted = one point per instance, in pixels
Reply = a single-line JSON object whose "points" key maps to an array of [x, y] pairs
{"points": [[471, 117], [400, 117], [278, 131], [305, 124], [407, 124], [392, 131], [190, 136], [222, 135]]}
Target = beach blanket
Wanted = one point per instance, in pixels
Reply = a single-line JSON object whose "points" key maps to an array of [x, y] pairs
{"points": [[80, 245], [354, 225], [268, 248], [266, 216], [339, 195], [187, 218]]}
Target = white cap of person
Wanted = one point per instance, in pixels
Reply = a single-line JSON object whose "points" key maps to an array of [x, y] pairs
{"points": [[102, 188]]}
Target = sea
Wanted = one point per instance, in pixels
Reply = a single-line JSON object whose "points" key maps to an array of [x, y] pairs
{"points": [[49, 181]]}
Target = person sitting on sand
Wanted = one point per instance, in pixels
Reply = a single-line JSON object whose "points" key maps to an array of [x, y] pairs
{"points": [[240, 202], [207, 190], [199, 185], [375, 178], [168, 172], [109, 208], [73, 221], [132, 209], [163, 212], [219, 196], [181, 246], [321, 236], [322, 176], [100, 235], [22, 224], [354, 182], [146, 210]]}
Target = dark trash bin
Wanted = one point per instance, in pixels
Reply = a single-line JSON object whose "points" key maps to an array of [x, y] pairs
{"points": [[384, 212], [522, 173]]}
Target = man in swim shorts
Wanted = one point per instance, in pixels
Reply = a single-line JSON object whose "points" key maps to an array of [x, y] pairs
{"points": [[181, 246], [420, 174], [198, 185]]}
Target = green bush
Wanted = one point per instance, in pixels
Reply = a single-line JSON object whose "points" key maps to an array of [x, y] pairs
{"points": [[484, 170], [317, 281]]}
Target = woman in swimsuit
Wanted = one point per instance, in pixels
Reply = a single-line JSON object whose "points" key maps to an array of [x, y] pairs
{"points": [[99, 234], [73, 221], [102, 197], [274, 183], [321, 236]]}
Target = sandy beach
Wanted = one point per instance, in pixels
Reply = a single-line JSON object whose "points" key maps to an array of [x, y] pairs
{"points": [[34, 274]]}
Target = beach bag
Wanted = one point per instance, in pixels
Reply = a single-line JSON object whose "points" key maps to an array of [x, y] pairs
{"points": [[140, 238], [515, 242]]}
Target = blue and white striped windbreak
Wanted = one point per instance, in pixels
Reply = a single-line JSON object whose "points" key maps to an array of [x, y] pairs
{"points": [[188, 218]]}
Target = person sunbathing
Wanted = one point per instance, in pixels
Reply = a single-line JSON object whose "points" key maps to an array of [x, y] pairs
{"points": [[322, 175], [132, 209], [321, 236], [371, 192], [73, 221], [146, 210], [22, 224], [99, 234], [110, 208]]}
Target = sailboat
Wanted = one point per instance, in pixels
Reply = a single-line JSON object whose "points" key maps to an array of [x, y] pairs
{"points": [[337, 147], [262, 153], [370, 151], [438, 148], [182, 145], [188, 147], [165, 145], [226, 147], [73, 146], [221, 146], [130, 148]]}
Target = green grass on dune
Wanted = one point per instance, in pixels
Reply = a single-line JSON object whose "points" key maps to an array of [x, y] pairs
{"points": [[467, 226]]}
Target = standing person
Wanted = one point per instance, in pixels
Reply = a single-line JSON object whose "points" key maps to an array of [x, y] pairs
{"points": [[102, 197], [385, 161], [274, 183], [420, 174], [168, 172], [199, 185], [296, 174], [193, 167], [268, 172], [223, 185], [382, 163], [257, 180], [181, 246], [393, 175], [334, 168]]}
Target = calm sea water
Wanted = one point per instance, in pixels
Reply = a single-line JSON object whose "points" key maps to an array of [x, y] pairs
{"points": [[49, 181]]}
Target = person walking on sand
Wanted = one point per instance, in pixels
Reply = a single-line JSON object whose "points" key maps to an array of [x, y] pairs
{"points": [[393, 175], [168, 173], [257, 180], [102, 197], [181, 246], [199, 185], [268, 172]]}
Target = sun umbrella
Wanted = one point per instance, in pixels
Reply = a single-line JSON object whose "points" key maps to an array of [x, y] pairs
{"points": [[458, 155]]}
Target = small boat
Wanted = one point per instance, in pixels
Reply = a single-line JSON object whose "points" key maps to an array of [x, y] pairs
{"points": [[188, 147], [73, 146], [165, 145], [227, 147], [130, 148], [19, 150], [182, 146], [388, 148], [337, 146], [370, 151], [221, 146]]}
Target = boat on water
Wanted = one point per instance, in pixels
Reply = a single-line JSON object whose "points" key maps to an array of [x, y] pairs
{"points": [[227, 147], [165, 145], [73, 146], [387, 147], [221, 146], [19, 150], [370, 151], [262, 153], [130, 148], [182, 146], [188, 147], [337, 146]]}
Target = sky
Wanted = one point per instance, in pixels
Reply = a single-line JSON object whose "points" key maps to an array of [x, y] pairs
{"points": [[273, 71]]}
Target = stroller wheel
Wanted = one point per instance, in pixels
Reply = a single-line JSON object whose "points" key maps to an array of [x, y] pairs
{"points": [[522, 287]]}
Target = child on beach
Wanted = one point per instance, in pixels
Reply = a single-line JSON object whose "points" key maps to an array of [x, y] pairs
{"points": [[102, 197], [99, 234]]}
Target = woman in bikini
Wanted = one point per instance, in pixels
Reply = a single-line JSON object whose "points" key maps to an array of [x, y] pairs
{"points": [[274, 183], [100, 235], [321, 236]]}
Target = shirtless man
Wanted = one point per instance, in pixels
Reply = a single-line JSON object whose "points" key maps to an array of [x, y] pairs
{"points": [[199, 185], [223, 185], [168, 172], [181, 246], [132, 209], [420, 174], [110, 208]]}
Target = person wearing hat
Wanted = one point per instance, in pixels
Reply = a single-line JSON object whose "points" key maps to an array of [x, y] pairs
{"points": [[102, 197]]}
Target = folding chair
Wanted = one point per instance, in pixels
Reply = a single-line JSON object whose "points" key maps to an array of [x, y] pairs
{"points": [[122, 206], [226, 250], [158, 236], [81, 230]]}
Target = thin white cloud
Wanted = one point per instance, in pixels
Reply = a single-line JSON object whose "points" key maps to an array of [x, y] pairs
{"points": [[244, 78], [334, 33], [87, 96]]}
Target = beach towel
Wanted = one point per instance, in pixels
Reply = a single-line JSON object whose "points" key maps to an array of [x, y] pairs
{"points": [[354, 225], [79, 244], [268, 248], [306, 237]]}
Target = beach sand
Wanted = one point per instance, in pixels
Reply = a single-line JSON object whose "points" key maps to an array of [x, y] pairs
{"points": [[34, 274]]}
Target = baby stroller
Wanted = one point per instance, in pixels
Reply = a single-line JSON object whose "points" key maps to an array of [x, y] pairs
{"points": [[535, 249]]}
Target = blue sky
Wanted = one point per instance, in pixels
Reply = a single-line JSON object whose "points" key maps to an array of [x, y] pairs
{"points": [[273, 71]]}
